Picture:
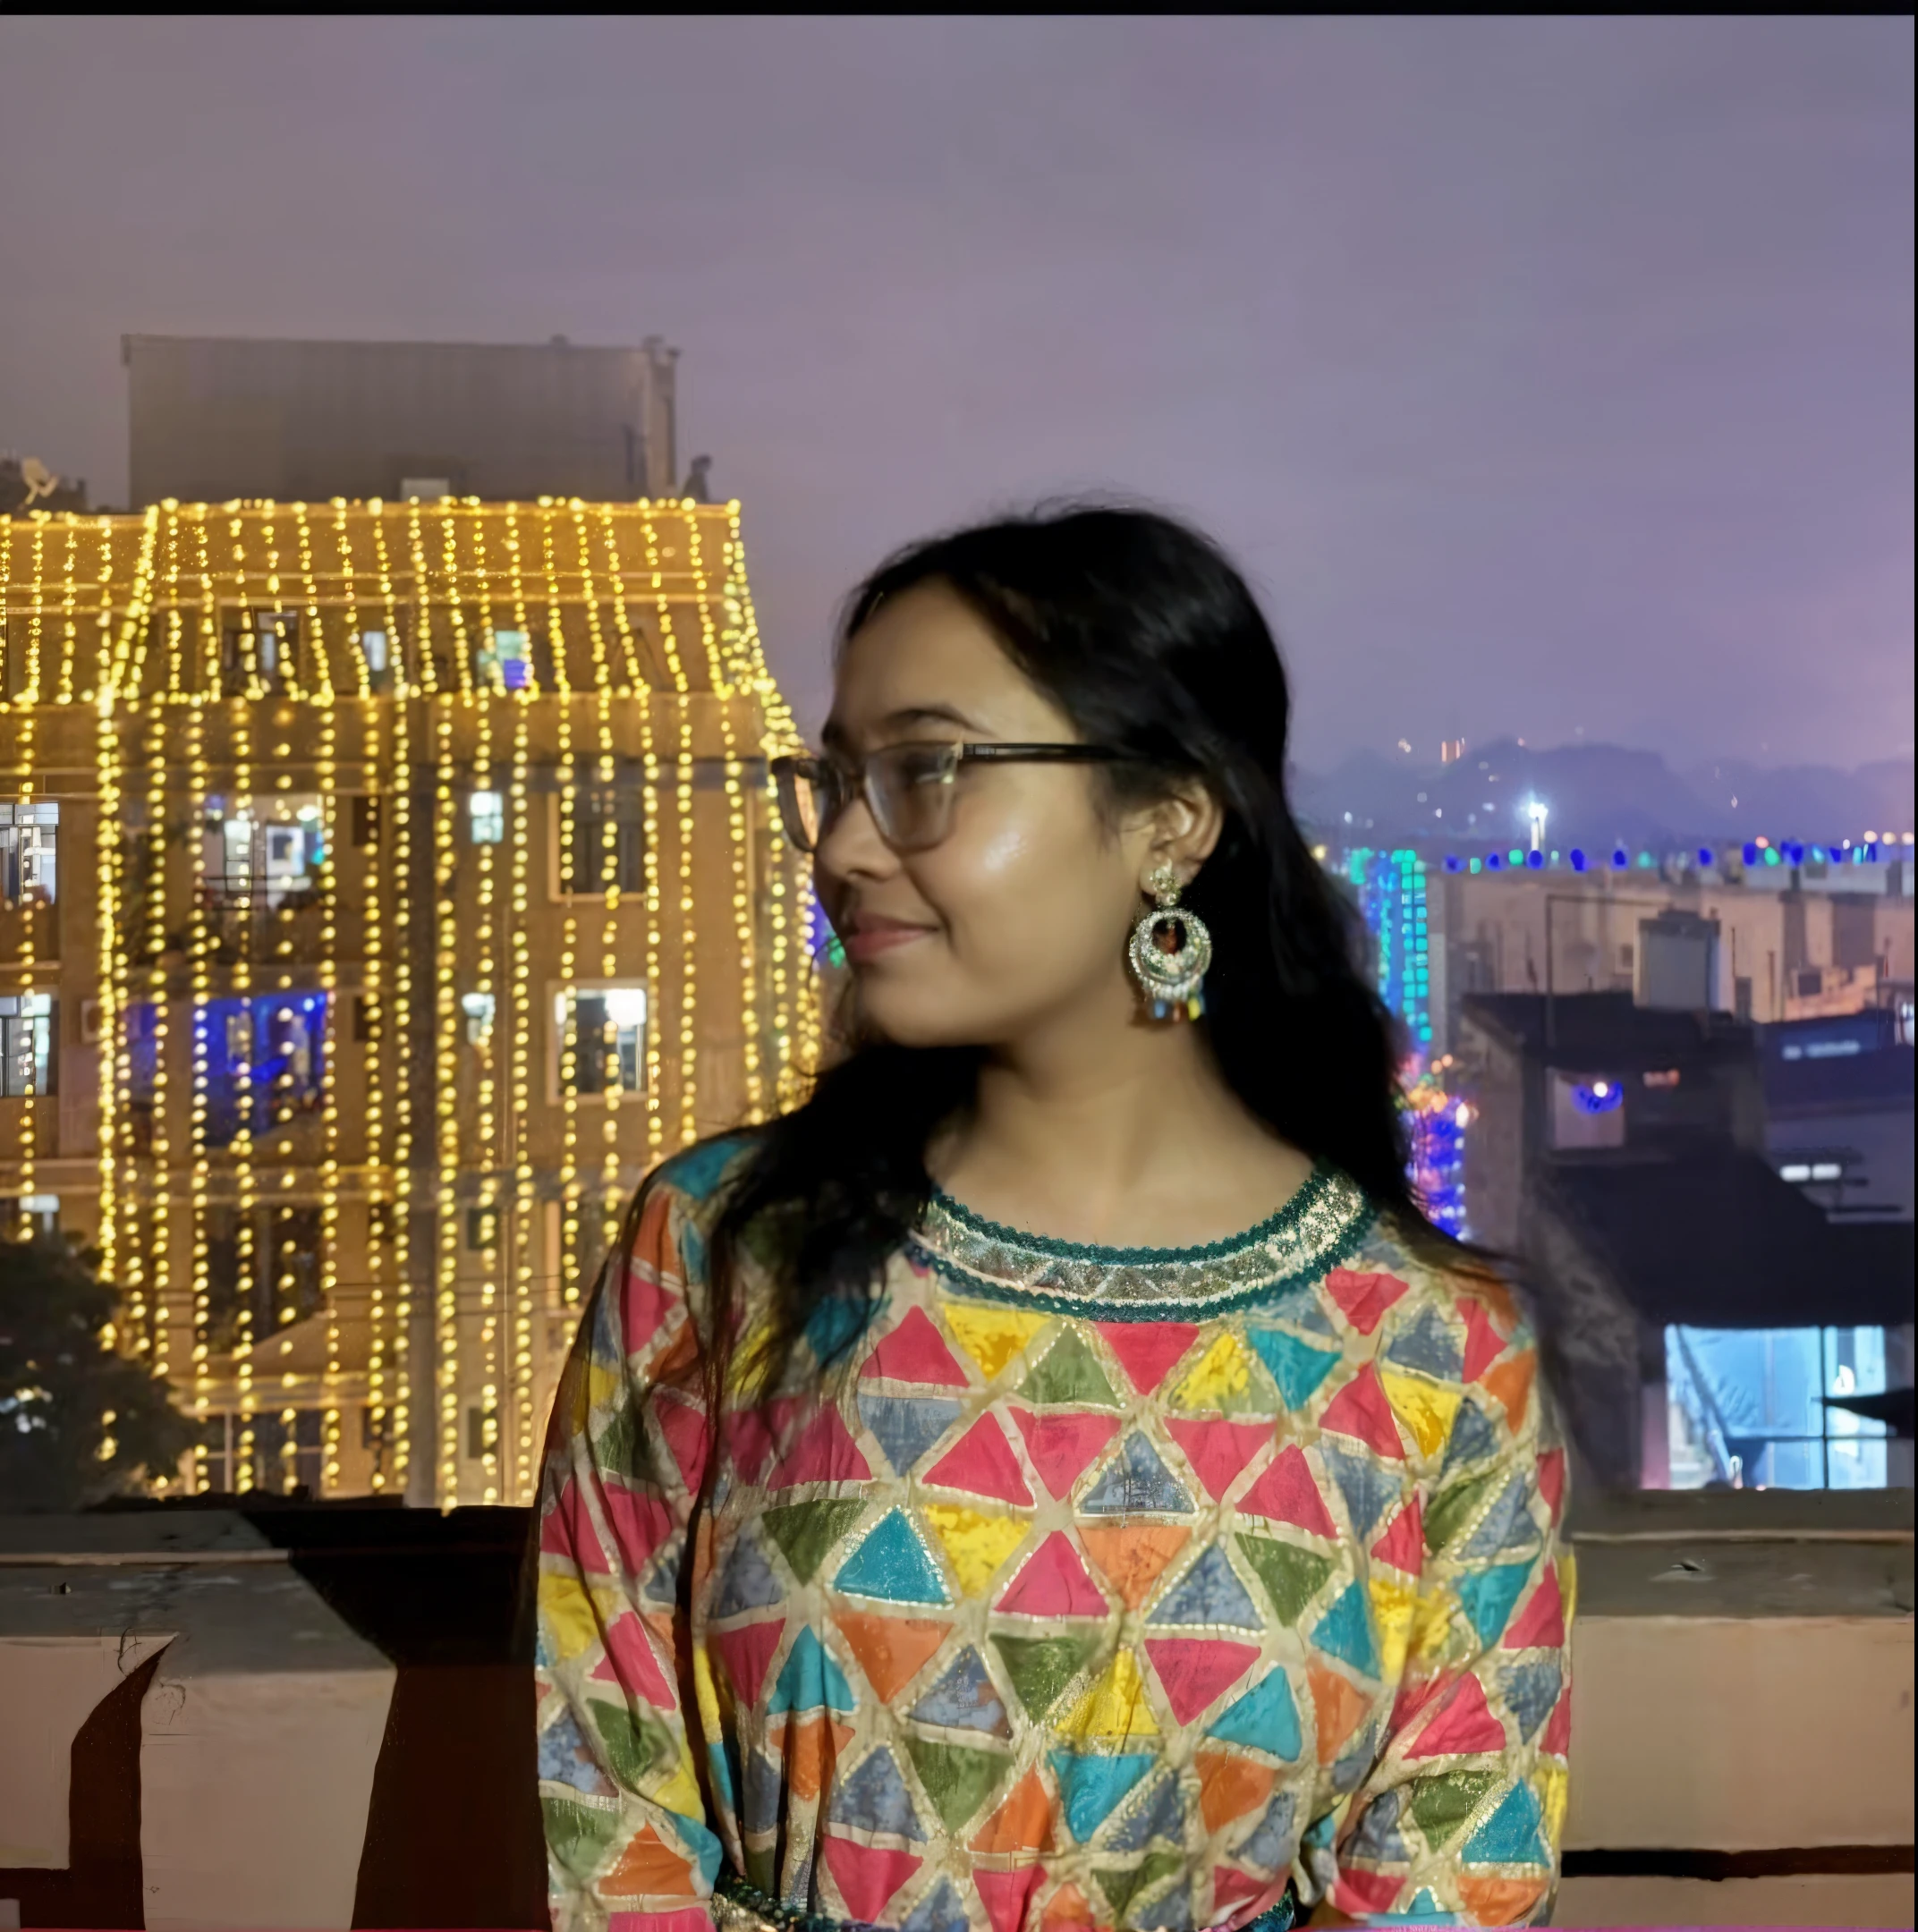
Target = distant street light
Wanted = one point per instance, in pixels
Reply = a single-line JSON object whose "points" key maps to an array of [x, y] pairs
{"points": [[1538, 814]]}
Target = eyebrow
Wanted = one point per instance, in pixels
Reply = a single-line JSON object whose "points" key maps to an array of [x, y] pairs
{"points": [[904, 719]]}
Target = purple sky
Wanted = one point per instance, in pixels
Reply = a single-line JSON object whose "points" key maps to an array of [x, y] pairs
{"points": [[1547, 375]]}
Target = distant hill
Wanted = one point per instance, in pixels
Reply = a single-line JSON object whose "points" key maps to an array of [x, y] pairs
{"points": [[1598, 795]]}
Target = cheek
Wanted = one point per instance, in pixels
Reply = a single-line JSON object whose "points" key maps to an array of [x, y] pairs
{"points": [[1024, 897]]}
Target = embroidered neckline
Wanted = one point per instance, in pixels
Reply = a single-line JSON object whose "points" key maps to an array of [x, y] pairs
{"points": [[1317, 1229]]}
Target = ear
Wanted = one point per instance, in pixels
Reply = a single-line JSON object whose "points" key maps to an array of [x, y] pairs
{"points": [[1186, 827]]}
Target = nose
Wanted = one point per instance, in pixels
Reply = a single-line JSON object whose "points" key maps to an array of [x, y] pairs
{"points": [[849, 846]]}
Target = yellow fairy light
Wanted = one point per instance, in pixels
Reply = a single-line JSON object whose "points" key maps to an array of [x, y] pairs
{"points": [[69, 609], [398, 1418], [644, 699], [570, 1186], [199, 951], [688, 1001], [240, 726], [720, 676], [29, 705], [446, 1100]]}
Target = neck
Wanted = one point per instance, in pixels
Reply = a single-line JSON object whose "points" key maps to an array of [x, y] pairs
{"points": [[1103, 1128]]}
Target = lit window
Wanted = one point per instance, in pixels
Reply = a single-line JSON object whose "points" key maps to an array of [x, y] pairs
{"points": [[1825, 1170], [1795, 1171], [30, 831], [1668, 1077], [487, 812], [373, 648], [26, 1044], [478, 1008], [601, 1036]]}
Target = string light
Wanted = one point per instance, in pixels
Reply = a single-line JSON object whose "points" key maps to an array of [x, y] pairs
{"points": [[139, 607], [29, 706], [682, 783]]}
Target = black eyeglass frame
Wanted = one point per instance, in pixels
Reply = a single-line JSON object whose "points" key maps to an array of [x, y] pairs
{"points": [[787, 772]]}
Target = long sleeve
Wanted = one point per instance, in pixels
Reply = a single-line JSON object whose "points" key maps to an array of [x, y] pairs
{"points": [[630, 1844], [1460, 1818]]}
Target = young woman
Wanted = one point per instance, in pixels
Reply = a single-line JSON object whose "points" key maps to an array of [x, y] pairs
{"points": [[1056, 1479]]}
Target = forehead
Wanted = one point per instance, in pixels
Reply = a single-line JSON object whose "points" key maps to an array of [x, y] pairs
{"points": [[925, 661]]}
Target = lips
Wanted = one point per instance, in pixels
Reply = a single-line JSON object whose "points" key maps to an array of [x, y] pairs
{"points": [[872, 937]]}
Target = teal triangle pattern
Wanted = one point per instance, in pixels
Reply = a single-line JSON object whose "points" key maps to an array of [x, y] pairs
{"points": [[1510, 1836], [810, 1680], [893, 1566], [1489, 1595], [1296, 1366], [1346, 1632], [1265, 1718], [1091, 1788]]}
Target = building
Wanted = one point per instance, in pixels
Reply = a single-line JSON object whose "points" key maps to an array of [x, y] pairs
{"points": [[387, 887], [1838, 1107], [213, 420], [1831, 934], [1697, 1309]]}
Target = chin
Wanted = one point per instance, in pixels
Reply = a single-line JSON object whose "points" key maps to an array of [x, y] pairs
{"points": [[914, 1016]]}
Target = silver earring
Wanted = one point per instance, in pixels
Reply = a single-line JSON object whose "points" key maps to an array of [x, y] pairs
{"points": [[1170, 981]]}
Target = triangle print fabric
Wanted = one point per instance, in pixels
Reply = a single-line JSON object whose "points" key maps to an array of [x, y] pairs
{"points": [[1057, 1590]]}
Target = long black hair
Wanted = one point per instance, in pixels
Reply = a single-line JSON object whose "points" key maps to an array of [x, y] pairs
{"points": [[1147, 637]]}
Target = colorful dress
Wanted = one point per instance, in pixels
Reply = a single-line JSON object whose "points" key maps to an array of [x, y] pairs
{"points": [[1082, 1587]]}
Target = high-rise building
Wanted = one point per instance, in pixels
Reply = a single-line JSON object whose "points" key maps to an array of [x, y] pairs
{"points": [[387, 886], [212, 420]]}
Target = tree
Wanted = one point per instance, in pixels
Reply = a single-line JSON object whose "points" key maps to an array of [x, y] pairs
{"points": [[79, 1421]]}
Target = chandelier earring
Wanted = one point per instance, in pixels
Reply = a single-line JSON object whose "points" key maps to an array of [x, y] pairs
{"points": [[1170, 951]]}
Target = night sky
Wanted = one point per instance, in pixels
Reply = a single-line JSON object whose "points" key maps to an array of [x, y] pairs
{"points": [[1550, 378]]}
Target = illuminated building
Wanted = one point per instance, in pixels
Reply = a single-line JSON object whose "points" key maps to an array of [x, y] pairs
{"points": [[387, 887]]}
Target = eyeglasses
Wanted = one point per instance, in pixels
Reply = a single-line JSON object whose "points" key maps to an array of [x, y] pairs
{"points": [[908, 788]]}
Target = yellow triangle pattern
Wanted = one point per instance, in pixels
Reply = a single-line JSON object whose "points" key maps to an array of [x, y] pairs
{"points": [[1432, 1627], [1554, 1776], [1424, 1407], [976, 1544], [568, 1613], [602, 1384], [1394, 1607], [991, 1336], [1225, 1369], [1114, 1708]]}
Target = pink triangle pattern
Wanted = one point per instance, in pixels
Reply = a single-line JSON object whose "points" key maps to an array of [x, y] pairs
{"points": [[1483, 1343], [1054, 1583], [568, 1531], [1403, 1545], [1007, 1894], [1061, 1446], [981, 1463], [1287, 1494], [639, 1522], [1364, 1298], [629, 1660], [1359, 1409], [643, 1306], [747, 1654], [1540, 1624], [686, 1436], [1463, 1725], [1146, 1350], [1218, 1450], [914, 1353], [867, 1876], [824, 1452], [1195, 1670]]}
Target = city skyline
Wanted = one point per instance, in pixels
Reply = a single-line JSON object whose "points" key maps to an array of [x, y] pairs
{"points": [[1551, 377]]}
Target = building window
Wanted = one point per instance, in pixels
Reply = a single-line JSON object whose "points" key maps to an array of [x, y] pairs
{"points": [[373, 652], [482, 1433], [26, 1044], [29, 1214], [260, 651], [486, 817], [601, 1034], [482, 1228], [608, 847], [479, 1009], [1761, 1408], [30, 838], [264, 854], [280, 1040], [283, 1455], [503, 663]]}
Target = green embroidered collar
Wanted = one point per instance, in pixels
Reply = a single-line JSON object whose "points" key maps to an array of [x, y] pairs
{"points": [[1317, 1229]]}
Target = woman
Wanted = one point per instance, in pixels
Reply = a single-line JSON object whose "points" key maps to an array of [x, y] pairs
{"points": [[1125, 1509]]}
